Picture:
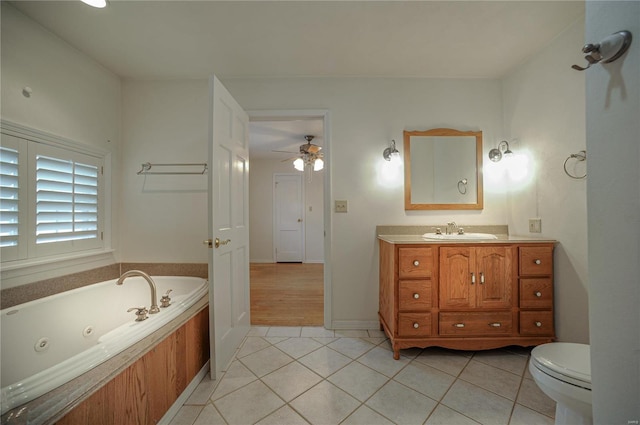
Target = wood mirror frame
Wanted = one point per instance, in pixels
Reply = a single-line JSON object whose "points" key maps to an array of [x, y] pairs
{"points": [[410, 204]]}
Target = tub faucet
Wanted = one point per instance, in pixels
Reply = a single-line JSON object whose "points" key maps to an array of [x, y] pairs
{"points": [[154, 297], [451, 226]]}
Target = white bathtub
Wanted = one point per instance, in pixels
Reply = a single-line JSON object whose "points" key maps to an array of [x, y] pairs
{"points": [[50, 341]]}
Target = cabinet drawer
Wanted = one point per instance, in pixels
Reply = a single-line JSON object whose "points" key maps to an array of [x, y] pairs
{"points": [[414, 324], [536, 293], [536, 260], [414, 295], [415, 262], [536, 322], [475, 323]]}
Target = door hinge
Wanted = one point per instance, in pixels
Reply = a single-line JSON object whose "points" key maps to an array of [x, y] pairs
{"points": [[101, 236]]}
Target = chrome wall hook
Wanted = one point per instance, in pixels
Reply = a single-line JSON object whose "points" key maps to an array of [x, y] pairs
{"points": [[608, 50]]}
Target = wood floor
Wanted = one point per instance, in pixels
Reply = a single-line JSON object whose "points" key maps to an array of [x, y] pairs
{"points": [[287, 294]]}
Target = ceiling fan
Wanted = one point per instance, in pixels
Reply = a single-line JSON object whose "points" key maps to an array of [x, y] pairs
{"points": [[309, 156]]}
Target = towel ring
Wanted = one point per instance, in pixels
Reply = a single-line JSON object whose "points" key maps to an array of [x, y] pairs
{"points": [[462, 182], [580, 156]]}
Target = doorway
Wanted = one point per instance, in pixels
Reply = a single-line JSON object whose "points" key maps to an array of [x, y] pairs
{"points": [[288, 244]]}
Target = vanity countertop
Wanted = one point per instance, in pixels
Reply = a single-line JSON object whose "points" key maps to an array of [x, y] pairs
{"points": [[418, 239]]}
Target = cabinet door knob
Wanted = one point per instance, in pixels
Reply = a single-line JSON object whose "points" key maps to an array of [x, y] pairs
{"points": [[458, 325], [481, 278], [473, 278], [416, 296], [538, 294], [538, 324], [416, 263], [537, 261], [495, 324], [416, 326]]}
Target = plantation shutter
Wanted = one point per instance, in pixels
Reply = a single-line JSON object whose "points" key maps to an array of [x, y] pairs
{"points": [[9, 197], [66, 200]]}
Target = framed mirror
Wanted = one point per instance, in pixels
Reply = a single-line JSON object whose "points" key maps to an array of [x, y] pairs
{"points": [[443, 170]]}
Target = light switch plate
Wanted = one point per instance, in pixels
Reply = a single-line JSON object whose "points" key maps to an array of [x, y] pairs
{"points": [[341, 206], [535, 225]]}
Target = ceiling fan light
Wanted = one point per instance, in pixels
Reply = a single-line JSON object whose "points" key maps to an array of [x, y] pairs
{"points": [[318, 164], [96, 3], [298, 164]]}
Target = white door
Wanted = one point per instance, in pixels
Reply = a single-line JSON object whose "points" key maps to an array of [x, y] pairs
{"points": [[229, 307], [288, 214]]}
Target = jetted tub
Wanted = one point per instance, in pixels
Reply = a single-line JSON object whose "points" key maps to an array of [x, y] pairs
{"points": [[52, 340]]}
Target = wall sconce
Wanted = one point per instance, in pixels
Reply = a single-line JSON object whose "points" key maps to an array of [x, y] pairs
{"points": [[496, 154], [391, 153]]}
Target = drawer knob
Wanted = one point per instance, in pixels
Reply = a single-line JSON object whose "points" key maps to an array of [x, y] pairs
{"points": [[416, 263], [538, 294], [538, 324], [495, 324], [416, 326], [537, 261], [458, 325], [416, 296]]}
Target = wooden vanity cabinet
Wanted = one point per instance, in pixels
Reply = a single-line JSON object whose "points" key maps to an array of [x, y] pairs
{"points": [[466, 296]]}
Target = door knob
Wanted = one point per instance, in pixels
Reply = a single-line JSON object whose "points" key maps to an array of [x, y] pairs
{"points": [[218, 242], [208, 242]]}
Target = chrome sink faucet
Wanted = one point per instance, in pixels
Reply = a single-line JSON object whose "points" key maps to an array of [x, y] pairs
{"points": [[451, 227], [154, 297]]}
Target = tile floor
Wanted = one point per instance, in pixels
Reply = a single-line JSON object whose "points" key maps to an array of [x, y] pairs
{"points": [[309, 375]]}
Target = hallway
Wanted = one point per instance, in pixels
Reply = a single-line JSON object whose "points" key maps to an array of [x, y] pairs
{"points": [[287, 294]]}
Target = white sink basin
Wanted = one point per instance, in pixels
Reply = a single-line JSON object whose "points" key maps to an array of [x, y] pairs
{"points": [[464, 236]]}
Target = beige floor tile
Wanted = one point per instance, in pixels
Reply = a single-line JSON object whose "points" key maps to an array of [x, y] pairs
{"points": [[266, 361], [382, 361], [425, 379], [209, 416], [491, 378], [449, 361], [317, 331], [248, 404], [187, 415], [283, 416], [531, 396], [289, 331], [524, 416], [503, 359], [236, 377], [203, 392], [351, 347], [258, 331], [325, 404], [325, 361], [365, 416], [478, 404], [401, 405], [298, 347], [358, 380], [375, 333], [251, 345], [442, 415], [349, 333], [291, 380]]}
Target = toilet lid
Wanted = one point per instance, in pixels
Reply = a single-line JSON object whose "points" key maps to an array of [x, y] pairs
{"points": [[568, 362]]}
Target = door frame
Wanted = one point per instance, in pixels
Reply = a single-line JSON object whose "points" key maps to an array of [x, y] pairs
{"points": [[325, 115], [302, 212]]}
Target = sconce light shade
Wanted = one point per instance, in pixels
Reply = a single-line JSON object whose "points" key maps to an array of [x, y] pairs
{"points": [[318, 164], [391, 153], [496, 154]]}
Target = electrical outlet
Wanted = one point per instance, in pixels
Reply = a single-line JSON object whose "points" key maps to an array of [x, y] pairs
{"points": [[341, 206], [535, 225]]}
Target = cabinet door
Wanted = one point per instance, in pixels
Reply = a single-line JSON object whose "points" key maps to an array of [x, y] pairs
{"points": [[458, 278], [495, 277]]}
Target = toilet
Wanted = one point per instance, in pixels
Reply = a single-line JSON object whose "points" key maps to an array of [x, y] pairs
{"points": [[562, 370]]}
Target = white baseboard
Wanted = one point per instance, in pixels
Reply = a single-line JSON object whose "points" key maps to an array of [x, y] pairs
{"points": [[355, 324], [182, 398]]}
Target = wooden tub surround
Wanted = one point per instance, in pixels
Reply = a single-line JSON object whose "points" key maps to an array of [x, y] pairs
{"points": [[136, 386], [466, 295]]}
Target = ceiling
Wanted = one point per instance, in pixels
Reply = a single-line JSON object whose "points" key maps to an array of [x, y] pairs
{"points": [[193, 39]]}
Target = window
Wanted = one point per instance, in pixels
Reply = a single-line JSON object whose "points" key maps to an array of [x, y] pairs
{"points": [[51, 200]]}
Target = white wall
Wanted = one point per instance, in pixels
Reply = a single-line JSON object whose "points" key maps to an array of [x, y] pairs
{"points": [[544, 104], [164, 217], [613, 145], [366, 113], [73, 97], [261, 211]]}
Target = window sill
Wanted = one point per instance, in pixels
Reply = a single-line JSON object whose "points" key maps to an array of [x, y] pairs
{"points": [[21, 272]]}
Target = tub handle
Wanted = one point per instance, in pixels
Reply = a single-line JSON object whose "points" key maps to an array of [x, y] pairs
{"points": [[141, 313], [165, 301]]}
